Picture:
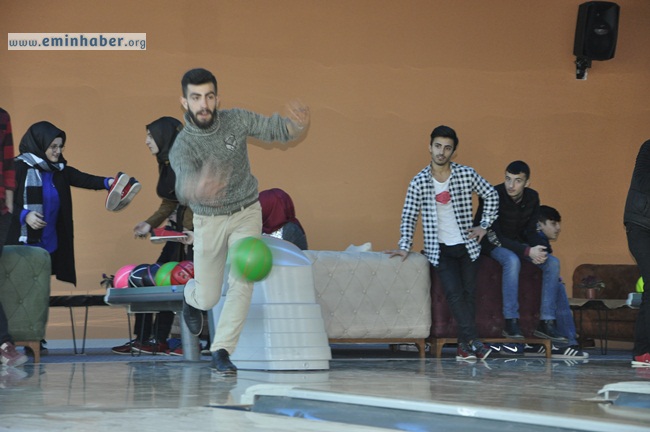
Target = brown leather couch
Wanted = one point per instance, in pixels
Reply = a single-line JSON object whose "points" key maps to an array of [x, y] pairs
{"points": [[620, 280], [489, 316]]}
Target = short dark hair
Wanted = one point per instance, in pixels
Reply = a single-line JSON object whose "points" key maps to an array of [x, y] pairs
{"points": [[197, 76], [519, 167], [548, 213], [443, 131]]}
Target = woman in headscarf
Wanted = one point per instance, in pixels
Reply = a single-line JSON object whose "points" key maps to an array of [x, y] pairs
{"points": [[160, 138], [279, 217], [43, 202]]}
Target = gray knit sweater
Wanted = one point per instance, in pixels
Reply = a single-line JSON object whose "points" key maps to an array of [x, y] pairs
{"points": [[213, 175]]}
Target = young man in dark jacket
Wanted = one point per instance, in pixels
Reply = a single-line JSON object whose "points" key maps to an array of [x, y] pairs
{"points": [[512, 238]]}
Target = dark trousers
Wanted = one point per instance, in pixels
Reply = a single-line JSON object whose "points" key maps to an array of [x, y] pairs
{"points": [[457, 273], [145, 327], [638, 240], [4, 326]]}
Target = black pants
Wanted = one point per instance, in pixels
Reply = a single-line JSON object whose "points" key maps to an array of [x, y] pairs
{"points": [[4, 326], [457, 273], [638, 240], [145, 327]]}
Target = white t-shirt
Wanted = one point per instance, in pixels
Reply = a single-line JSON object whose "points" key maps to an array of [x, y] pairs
{"points": [[448, 230]]}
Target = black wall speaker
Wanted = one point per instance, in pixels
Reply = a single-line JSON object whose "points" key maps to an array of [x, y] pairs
{"points": [[596, 30]]}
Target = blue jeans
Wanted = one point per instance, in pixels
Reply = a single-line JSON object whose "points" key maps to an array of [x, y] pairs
{"points": [[510, 283], [563, 316], [457, 274]]}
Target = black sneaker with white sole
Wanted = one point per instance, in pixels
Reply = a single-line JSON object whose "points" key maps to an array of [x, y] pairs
{"points": [[568, 353]]}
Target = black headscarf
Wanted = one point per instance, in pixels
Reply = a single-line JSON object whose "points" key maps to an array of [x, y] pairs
{"points": [[164, 131], [38, 138]]}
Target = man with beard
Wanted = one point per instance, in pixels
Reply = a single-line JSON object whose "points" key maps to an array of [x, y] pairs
{"points": [[442, 192], [214, 179]]}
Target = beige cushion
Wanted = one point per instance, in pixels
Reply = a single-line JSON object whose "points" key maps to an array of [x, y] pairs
{"points": [[369, 295]]}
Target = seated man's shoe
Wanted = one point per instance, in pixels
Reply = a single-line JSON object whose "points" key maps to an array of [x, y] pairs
{"points": [[534, 350], [221, 362], [546, 330], [193, 318], [512, 330]]}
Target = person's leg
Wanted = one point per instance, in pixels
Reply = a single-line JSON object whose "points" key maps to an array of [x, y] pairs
{"points": [[144, 328], [210, 252], [4, 327], [510, 280], [468, 269], [164, 322], [451, 276], [245, 223], [638, 240], [564, 318], [550, 277]]}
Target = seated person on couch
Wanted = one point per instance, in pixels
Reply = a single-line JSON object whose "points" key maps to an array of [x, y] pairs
{"points": [[548, 227], [279, 217], [513, 237], [443, 193]]}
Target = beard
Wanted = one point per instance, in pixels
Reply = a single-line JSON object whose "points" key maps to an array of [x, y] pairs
{"points": [[203, 124]]}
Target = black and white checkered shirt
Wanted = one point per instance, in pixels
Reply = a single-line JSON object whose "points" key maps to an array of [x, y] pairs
{"points": [[420, 197]]}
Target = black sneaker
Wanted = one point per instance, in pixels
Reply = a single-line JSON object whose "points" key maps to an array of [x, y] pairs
{"points": [[221, 362], [512, 330], [546, 330], [570, 353], [512, 349], [193, 318], [534, 350]]}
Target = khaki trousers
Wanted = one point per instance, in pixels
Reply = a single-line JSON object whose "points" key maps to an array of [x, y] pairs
{"points": [[213, 236]]}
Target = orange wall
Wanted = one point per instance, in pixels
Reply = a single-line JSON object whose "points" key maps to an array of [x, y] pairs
{"points": [[378, 75]]}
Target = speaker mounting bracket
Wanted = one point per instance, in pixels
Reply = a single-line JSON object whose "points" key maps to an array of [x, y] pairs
{"points": [[582, 64]]}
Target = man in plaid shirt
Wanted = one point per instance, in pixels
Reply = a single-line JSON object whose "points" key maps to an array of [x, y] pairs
{"points": [[442, 192]]}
